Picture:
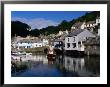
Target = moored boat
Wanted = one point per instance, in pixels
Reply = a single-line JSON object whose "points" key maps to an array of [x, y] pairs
{"points": [[51, 55]]}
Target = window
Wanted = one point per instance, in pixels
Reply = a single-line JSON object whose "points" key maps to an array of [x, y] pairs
{"points": [[74, 45], [73, 39], [68, 39], [79, 44], [68, 45], [39, 45], [28, 46]]}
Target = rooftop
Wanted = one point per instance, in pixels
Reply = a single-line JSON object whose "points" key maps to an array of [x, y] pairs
{"points": [[76, 32]]}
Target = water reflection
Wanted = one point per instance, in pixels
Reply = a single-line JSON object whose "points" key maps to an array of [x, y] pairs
{"points": [[73, 64], [62, 66]]}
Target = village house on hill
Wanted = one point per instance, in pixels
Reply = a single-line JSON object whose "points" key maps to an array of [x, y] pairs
{"points": [[59, 40], [78, 25], [92, 26], [74, 40]]}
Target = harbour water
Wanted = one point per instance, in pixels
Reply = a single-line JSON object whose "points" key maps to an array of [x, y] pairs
{"points": [[62, 66]]}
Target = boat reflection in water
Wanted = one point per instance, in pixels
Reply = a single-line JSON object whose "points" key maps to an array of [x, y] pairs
{"points": [[62, 66]]}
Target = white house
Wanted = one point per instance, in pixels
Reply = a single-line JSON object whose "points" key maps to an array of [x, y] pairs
{"points": [[78, 25], [74, 41], [37, 44], [27, 43], [90, 25], [45, 42], [24, 44]]}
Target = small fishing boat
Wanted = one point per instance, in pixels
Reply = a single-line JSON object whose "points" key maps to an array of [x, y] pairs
{"points": [[51, 55]]}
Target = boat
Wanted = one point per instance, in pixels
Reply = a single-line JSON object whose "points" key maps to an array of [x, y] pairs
{"points": [[51, 55]]}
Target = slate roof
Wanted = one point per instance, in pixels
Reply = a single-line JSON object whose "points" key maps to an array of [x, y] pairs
{"points": [[75, 32]]}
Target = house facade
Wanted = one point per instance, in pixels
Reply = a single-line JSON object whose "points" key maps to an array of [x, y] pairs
{"points": [[78, 25], [58, 44], [45, 42], [27, 43], [37, 44], [90, 25], [24, 44], [74, 41]]}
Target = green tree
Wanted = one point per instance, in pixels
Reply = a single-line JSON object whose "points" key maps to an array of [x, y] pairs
{"points": [[20, 29]]}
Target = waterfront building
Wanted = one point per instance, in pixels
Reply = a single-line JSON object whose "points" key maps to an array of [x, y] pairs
{"points": [[74, 40], [58, 44], [27, 43]]}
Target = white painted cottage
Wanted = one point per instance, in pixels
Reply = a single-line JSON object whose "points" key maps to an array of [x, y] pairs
{"points": [[74, 40], [78, 25], [37, 44], [45, 42], [27, 43]]}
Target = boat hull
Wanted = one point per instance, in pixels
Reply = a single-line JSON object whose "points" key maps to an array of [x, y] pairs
{"points": [[51, 56]]}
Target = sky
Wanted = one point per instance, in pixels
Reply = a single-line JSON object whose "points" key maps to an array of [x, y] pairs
{"points": [[42, 19]]}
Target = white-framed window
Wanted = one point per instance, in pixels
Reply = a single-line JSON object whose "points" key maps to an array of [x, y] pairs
{"points": [[68, 45], [74, 45], [79, 44]]}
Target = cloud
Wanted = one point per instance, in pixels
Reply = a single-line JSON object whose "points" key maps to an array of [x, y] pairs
{"points": [[38, 23]]}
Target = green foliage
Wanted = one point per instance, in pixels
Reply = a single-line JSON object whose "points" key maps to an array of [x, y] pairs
{"points": [[64, 25], [35, 32], [19, 28]]}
